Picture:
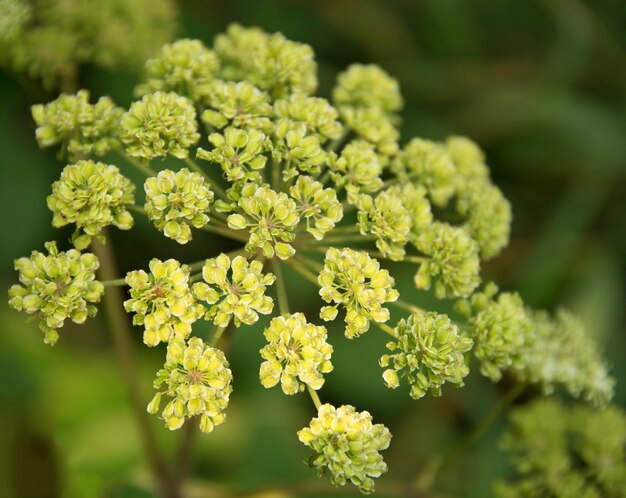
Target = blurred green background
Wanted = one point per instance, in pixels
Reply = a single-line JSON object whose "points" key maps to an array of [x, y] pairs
{"points": [[539, 84]]}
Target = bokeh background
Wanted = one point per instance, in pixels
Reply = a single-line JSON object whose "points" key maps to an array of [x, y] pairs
{"points": [[539, 84]]}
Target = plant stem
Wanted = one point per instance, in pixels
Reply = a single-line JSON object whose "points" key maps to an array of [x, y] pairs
{"points": [[425, 481], [121, 332], [194, 166], [281, 290], [407, 306], [314, 396], [229, 234], [118, 282], [313, 265]]}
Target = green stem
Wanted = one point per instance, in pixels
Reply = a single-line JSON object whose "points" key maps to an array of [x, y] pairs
{"points": [[425, 480], [219, 331], [121, 332], [118, 282], [219, 190], [407, 306], [347, 238], [314, 396], [281, 289], [228, 233], [136, 208]]}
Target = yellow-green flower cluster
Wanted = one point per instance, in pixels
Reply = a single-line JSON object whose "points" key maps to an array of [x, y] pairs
{"points": [[368, 98], [162, 301], [271, 219], [239, 152], [242, 296], [559, 352], [197, 378], [429, 352], [414, 200], [80, 127], [176, 200], [269, 61], [158, 125], [355, 281], [452, 261], [566, 452], [358, 169], [367, 86], [500, 326], [317, 205], [297, 354], [56, 286], [429, 164], [468, 158], [185, 66], [93, 195], [300, 152], [388, 220], [347, 446], [319, 117], [372, 124], [488, 216], [239, 104]]}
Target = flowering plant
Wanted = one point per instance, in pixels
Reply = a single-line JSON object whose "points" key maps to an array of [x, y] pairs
{"points": [[291, 178]]}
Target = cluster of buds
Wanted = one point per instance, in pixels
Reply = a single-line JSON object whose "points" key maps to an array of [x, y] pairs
{"points": [[293, 178]]}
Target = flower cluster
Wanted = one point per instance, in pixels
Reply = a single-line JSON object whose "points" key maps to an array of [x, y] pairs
{"points": [[288, 176], [453, 261], [239, 104], [186, 67], [176, 200], [388, 220], [271, 218], [80, 127], [242, 296], [57, 286], [317, 205], [355, 281], [565, 451], [92, 195], [347, 446], [297, 354], [162, 301], [158, 125], [429, 352], [197, 378], [271, 62], [500, 327], [239, 152], [559, 352]]}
